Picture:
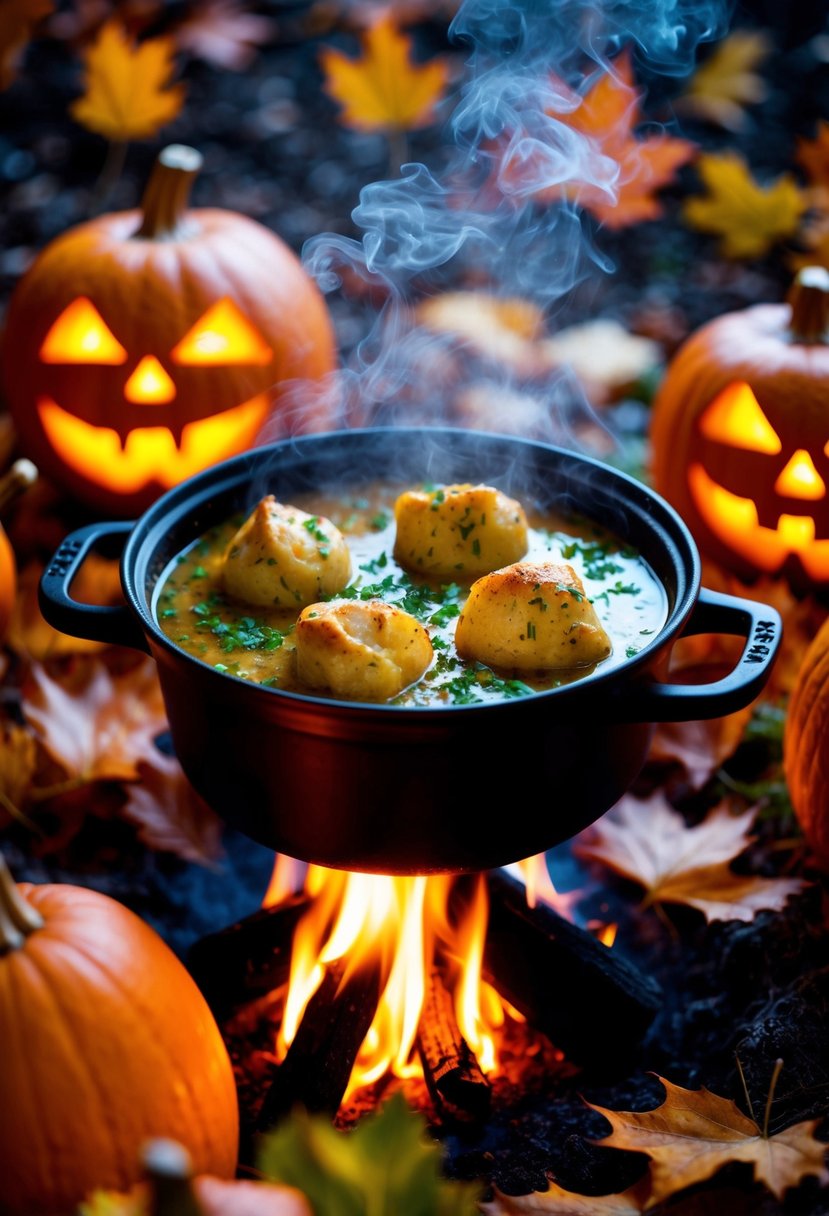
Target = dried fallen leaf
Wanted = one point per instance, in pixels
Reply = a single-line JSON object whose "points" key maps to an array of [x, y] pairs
{"points": [[169, 813], [225, 33], [701, 747], [128, 92], [18, 19], [18, 756], [606, 358], [557, 1202], [608, 116], [748, 218], [727, 81], [649, 842], [694, 1132], [98, 582], [504, 329], [96, 725], [383, 90]]}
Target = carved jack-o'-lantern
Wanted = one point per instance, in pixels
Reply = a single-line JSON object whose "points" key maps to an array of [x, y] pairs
{"points": [[144, 346], [740, 436]]}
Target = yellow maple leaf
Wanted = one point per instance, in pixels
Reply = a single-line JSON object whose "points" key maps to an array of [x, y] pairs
{"points": [[748, 218], [383, 90], [128, 91], [727, 81]]}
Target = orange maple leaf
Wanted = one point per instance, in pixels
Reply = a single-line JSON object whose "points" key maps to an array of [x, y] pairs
{"points": [[384, 90], [608, 115], [649, 842], [96, 725], [128, 92], [694, 1132]]}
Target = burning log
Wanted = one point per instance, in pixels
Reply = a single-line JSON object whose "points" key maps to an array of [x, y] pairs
{"points": [[248, 959], [454, 1078], [315, 1072], [591, 1003]]}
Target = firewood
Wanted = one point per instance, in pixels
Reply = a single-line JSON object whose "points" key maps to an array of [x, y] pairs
{"points": [[591, 1003], [248, 959], [315, 1072], [453, 1075]]}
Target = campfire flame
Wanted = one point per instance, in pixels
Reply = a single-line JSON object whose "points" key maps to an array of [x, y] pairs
{"points": [[405, 928]]}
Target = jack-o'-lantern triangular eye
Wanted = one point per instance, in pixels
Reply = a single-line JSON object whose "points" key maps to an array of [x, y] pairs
{"points": [[734, 417], [222, 336], [80, 335]]}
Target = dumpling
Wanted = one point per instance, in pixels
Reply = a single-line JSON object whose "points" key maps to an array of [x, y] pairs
{"points": [[283, 557], [360, 649], [458, 530], [531, 616]]}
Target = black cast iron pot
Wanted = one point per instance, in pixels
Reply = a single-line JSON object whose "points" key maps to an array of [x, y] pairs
{"points": [[406, 790]]}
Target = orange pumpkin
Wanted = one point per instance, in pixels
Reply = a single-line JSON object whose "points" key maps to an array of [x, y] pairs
{"points": [[740, 436], [19, 477], [806, 745], [143, 346], [106, 1041]]}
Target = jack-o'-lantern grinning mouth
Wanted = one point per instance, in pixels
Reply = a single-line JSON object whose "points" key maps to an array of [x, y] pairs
{"points": [[150, 453], [734, 520]]}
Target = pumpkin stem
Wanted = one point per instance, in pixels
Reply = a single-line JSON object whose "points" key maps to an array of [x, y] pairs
{"points": [[17, 917], [169, 1171], [20, 476], [809, 300], [167, 193]]}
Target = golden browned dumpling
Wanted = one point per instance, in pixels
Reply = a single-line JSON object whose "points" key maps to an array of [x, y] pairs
{"points": [[531, 616], [283, 557], [458, 530], [363, 650]]}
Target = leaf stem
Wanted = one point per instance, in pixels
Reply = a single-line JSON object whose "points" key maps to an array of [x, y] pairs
{"points": [[111, 171], [60, 787], [745, 1087], [778, 1066], [398, 149], [12, 809]]}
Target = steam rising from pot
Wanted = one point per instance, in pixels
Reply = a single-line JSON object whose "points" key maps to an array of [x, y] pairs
{"points": [[477, 219]]}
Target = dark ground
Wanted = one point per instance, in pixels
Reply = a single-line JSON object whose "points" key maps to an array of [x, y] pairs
{"points": [[273, 150]]}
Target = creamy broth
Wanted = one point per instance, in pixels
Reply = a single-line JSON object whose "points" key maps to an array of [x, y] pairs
{"points": [[257, 644]]}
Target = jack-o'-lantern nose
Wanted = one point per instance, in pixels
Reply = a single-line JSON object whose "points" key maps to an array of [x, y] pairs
{"points": [[149, 384], [800, 478]]}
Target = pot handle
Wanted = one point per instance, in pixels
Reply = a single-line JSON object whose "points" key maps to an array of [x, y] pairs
{"points": [[114, 624], [714, 612]]}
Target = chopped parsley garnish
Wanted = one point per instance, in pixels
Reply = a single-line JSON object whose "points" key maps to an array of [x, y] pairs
{"points": [[618, 588], [243, 633], [377, 564], [380, 521], [312, 525], [596, 555]]}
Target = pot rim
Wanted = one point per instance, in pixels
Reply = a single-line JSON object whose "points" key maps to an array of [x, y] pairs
{"points": [[182, 499]]}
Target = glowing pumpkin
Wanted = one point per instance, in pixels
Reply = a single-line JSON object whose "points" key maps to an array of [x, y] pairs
{"points": [[740, 436], [143, 346], [107, 1041]]}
